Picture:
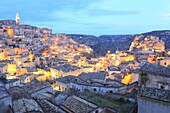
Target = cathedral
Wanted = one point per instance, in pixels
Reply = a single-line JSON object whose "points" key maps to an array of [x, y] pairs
{"points": [[17, 19]]}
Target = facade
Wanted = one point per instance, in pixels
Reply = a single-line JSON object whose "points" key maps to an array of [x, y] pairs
{"points": [[155, 89], [165, 62], [11, 83], [72, 82]]}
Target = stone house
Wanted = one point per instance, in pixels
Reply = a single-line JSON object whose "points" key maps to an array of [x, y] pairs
{"points": [[113, 69], [93, 77], [11, 83], [74, 104], [38, 88], [156, 76], [72, 82], [155, 89], [3, 68], [165, 62], [26, 78], [77, 105]]}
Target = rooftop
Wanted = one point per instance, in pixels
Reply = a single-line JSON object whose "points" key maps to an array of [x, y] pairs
{"points": [[66, 79], [48, 107], [77, 105], [3, 92], [6, 61], [31, 69], [155, 69], [66, 67], [113, 68], [24, 76], [108, 110], [93, 75], [36, 86], [24, 105], [6, 81], [2, 65]]}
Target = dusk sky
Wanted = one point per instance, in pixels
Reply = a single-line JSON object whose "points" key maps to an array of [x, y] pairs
{"points": [[94, 17]]}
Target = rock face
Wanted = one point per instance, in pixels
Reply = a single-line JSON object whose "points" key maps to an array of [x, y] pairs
{"points": [[147, 43]]}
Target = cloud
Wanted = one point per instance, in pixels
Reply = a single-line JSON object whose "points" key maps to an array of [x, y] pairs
{"points": [[166, 15], [113, 12], [75, 16]]}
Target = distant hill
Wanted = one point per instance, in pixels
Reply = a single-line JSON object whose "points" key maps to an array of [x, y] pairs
{"points": [[105, 43]]}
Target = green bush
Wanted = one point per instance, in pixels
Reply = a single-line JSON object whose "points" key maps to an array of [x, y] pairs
{"points": [[121, 100]]}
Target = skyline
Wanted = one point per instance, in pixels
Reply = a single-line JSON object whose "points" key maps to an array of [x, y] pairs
{"points": [[95, 17]]}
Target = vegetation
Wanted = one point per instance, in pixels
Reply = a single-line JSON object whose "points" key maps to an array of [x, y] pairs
{"points": [[121, 104]]}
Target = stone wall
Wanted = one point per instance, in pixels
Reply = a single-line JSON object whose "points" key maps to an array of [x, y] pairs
{"points": [[154, 80], [152, 106], [154, 93], [94, 88]]}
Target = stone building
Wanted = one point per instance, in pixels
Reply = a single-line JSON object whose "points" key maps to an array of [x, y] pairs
{"points": [[147, 43], [38, 88], [74, 104], [17, 19], [165, 62], [25, 105], [154, 94]]}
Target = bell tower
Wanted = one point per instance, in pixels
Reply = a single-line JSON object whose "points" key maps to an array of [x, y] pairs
{"points": [[17, 19]]}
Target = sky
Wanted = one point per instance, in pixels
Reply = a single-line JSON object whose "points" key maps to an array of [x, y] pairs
{"points": [[94, 17]]}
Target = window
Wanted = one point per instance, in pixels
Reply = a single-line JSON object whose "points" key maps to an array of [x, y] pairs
{"points": [[97, 111], [165, 63], [94, 89], [110, 91], [59, 88], [162, 87]]}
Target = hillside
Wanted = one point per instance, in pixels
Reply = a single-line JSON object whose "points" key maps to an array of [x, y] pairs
{"points": [[104, 43], [111, 43]]}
